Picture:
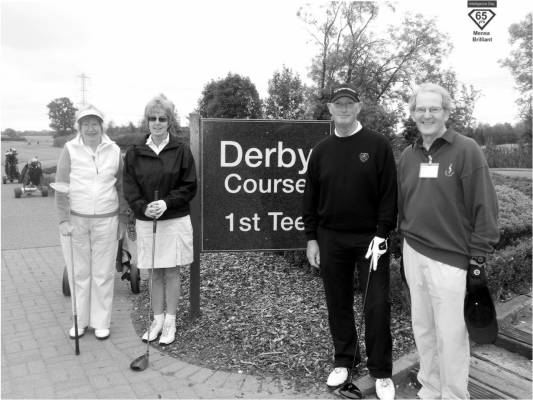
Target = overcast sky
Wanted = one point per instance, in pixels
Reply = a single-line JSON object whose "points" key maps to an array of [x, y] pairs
{"points": [[134, 50]]}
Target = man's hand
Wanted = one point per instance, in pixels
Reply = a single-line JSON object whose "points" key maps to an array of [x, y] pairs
{"points": [[65, 228], [476, 276], [377, 247], [313, 253]]}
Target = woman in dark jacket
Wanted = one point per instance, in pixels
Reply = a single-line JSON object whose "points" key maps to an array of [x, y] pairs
{"points": [[162, 163]]}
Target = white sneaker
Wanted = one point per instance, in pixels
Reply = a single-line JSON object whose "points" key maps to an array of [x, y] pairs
{"points": [[72, 332], [337, 377], [155, 330], [169, 333], [101, 334], [385, 389]]}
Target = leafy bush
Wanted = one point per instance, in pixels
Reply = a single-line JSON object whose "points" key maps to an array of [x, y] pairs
{"points": [[514, 218], [520, 183], [126, 139], [505, 157], [59, 141], [50, 170], [509, 270]]}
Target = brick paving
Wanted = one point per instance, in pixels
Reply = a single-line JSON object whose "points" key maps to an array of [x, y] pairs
{"points": [[38, 359]]}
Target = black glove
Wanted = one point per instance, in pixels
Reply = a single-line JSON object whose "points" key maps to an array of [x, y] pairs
{"points": [[476, 276]]}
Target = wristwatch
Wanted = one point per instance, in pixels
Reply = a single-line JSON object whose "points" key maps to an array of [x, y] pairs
{"points": [[479, 259]]}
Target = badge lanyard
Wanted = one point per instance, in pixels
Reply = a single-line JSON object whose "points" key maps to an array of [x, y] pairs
{"points": [[429, 169]]}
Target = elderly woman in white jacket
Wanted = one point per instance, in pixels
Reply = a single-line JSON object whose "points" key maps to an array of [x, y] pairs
{"points": [[90, 166]]}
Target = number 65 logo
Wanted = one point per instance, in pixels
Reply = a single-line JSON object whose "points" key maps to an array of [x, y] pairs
{"points": [[481, 17]]}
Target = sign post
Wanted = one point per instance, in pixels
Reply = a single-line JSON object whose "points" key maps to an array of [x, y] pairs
{"points": [[194, 273]]}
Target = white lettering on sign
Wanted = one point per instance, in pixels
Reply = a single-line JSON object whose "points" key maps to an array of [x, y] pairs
{"points": [[285, 223], [284, 157], [235, 184], [245, 224]]}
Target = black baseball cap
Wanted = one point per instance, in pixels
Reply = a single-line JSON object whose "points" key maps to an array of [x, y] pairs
{"points": [[344, 90], [480, 316]]}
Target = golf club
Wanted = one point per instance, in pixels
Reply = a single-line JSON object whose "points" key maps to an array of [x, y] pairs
{"points": [[74, 304], [141, 362], [349, 390], [64, 188]]}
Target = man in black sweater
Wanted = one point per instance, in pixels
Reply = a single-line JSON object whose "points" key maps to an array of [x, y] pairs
{"points": [[349, 208]]}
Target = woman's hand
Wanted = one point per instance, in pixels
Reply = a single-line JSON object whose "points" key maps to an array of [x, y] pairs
{"points": [[65, 228], [155, 209]]}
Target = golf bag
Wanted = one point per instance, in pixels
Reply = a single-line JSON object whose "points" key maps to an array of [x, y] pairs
{"points": [[32, 173]]}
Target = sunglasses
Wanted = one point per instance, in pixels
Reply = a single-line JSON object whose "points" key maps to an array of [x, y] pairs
{"points": [[160, 119]]}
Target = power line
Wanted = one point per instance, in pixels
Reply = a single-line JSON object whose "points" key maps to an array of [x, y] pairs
{"points": [[83, 89]]}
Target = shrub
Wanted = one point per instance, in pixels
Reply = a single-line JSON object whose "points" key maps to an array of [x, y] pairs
{"points": [[514, 218], [520, 183], [505, 157], [59, 141], [509, 270], [50, 170]]}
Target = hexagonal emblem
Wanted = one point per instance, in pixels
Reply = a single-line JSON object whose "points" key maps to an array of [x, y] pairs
{"points": [[481, 17]]}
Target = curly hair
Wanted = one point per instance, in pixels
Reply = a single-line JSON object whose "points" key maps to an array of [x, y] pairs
{"points": [[161, 103]]}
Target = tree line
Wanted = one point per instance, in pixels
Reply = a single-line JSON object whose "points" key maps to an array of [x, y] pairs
{"points": [[384, 63]]}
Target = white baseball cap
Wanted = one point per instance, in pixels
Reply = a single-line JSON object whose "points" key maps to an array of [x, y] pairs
{"points": [[87, 111]]}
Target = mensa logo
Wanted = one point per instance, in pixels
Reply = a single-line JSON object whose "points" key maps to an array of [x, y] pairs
{"points": [[481, 17]]}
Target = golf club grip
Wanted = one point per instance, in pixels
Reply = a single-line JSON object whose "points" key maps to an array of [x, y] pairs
{"points": [[156, 197]]}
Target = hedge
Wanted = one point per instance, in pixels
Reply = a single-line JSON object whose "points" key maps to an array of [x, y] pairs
{"points": [[521, 183], [514, 218], [509, 270]]}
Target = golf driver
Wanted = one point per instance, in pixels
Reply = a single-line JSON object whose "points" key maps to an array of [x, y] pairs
{"points": [[74, 304], [349, 389], [141, 362], [63, 187]]}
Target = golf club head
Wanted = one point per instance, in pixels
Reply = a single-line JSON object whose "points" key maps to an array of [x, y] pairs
{"points": [[140, 363], [350, 391]]}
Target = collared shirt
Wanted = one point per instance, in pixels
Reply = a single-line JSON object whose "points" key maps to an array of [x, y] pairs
{"points": [[157, 149], [358, 127]]}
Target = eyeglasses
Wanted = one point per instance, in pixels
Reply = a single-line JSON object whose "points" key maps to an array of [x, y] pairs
{"points": [[349, 104], [432, 110], [160, 119]]}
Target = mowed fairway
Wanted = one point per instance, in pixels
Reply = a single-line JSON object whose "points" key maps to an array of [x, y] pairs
{"points": [[44, 150]]}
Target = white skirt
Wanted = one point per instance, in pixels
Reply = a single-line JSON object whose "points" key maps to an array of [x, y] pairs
{"points": [[173, 243]]}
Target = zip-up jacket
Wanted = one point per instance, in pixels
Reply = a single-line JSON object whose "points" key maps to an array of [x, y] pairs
{"points": [[94, 179], [455, 215], [172, 172]]}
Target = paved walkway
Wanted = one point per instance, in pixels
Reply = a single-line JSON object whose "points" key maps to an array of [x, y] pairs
{"points": [[38, 359]]}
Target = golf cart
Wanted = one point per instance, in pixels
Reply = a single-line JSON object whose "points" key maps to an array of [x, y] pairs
{"points": [[31, 177], [11, 169]]}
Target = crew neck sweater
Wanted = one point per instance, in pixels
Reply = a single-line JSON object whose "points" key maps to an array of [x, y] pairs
{"points": [[351, 186]]}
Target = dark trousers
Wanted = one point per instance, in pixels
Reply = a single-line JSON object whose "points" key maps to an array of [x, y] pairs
{"points": [[339, 256]]}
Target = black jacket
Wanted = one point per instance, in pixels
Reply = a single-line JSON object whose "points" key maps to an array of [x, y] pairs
{"points": [[172, 173]]}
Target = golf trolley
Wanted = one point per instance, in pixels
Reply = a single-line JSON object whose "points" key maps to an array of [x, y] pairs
{"points": [[31, 177], [11, 168], [124, 264]]}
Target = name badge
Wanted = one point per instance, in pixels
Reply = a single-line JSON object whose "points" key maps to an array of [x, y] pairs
{"points": [[429, 170]]}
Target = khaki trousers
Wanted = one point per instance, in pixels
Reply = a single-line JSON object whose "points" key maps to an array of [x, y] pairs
{"points": [[95, 243], [437, 300]]}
